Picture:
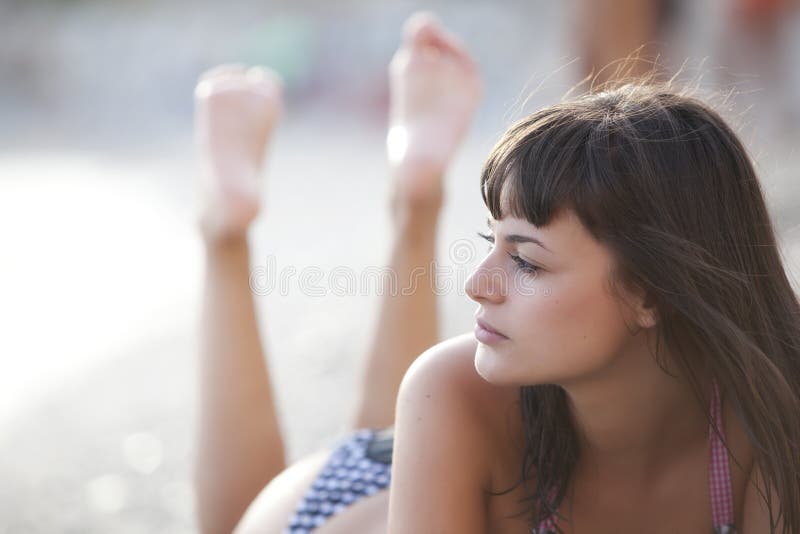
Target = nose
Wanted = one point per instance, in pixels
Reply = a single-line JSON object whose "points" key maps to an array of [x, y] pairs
{"points": [[487, 284]]}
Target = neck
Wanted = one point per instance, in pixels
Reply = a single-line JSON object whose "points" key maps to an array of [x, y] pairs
{"points": [[633, 418]]}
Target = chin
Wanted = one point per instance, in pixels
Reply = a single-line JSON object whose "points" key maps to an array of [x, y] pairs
{"points": [[495, 367]]}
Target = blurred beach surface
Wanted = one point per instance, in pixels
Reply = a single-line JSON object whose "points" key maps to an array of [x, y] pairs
{"points": [[101, 267]]}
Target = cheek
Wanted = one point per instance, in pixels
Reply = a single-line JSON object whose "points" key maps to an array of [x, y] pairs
{"points": [[579, 325], [571, 331]]}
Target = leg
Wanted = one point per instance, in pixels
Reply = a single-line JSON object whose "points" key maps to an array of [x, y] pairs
{"points": [[611, 31], [239, 441], [434, 91], [756, 43]]}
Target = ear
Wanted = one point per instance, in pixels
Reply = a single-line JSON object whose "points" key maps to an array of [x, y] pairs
{"points": [[640, 311], [637, 306], [645, 313]]}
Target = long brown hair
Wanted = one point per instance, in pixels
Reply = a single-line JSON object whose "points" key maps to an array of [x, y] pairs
{"points": [[659, 178]]}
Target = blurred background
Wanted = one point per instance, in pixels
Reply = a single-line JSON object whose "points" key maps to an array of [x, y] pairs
{"points": [[101, 266]]}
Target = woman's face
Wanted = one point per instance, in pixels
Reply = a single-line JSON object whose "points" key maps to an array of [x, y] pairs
{"points": [[557, 322]]}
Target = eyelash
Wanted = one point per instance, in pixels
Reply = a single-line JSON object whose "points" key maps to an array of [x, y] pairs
{"points": [[522, 264]]}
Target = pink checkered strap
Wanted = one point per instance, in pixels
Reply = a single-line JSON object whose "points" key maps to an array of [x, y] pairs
{"points": [[548, 524], [719, 477], [719, 472]]}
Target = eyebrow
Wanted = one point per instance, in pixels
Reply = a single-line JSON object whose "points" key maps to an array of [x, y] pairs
{"points": [[516, 238]]}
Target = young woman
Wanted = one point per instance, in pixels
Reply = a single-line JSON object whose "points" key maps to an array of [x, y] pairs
{"points": [[635, 362]]}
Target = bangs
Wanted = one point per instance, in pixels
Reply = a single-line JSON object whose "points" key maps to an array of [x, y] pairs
{"points": [[536, 169]]}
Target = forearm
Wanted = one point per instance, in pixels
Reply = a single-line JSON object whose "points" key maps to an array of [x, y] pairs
{"points": [[239, 449]]}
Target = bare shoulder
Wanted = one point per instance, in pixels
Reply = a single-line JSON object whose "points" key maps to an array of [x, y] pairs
{"points": [[460, 348], [443, 453], [449, 368]]}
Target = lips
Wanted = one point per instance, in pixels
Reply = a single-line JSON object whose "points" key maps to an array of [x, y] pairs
{"points": [[486, 334], [486, 326]]}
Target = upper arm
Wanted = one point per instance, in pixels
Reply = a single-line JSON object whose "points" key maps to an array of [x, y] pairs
{"points": [[756, 517], [439, 466]]}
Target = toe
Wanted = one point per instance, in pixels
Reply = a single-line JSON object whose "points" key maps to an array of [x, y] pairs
{"points": [[265, 78], [424, 30], [452, 43], [222, 71], [420, 28]]}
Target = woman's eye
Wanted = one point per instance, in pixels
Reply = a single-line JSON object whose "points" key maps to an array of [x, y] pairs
{"points": [[489, 238], [524, 265], [521, 264]]}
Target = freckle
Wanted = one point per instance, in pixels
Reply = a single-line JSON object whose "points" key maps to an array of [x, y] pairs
{"points": [[419, 419], [428, 396]]}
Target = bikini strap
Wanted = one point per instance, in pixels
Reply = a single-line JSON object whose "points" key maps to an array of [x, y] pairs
{"points": [[548, 524], [719, 473]]}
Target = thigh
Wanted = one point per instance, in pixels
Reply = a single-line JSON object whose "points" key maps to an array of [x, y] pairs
{"points": [[370, 515]]}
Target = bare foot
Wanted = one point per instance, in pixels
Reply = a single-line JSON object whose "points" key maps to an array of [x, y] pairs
{"points": [[435, 88], [236, 109]]}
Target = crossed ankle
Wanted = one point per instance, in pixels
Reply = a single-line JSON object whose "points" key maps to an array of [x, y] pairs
{"points": [[218, 236], [417, 193], [418, 216]]}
